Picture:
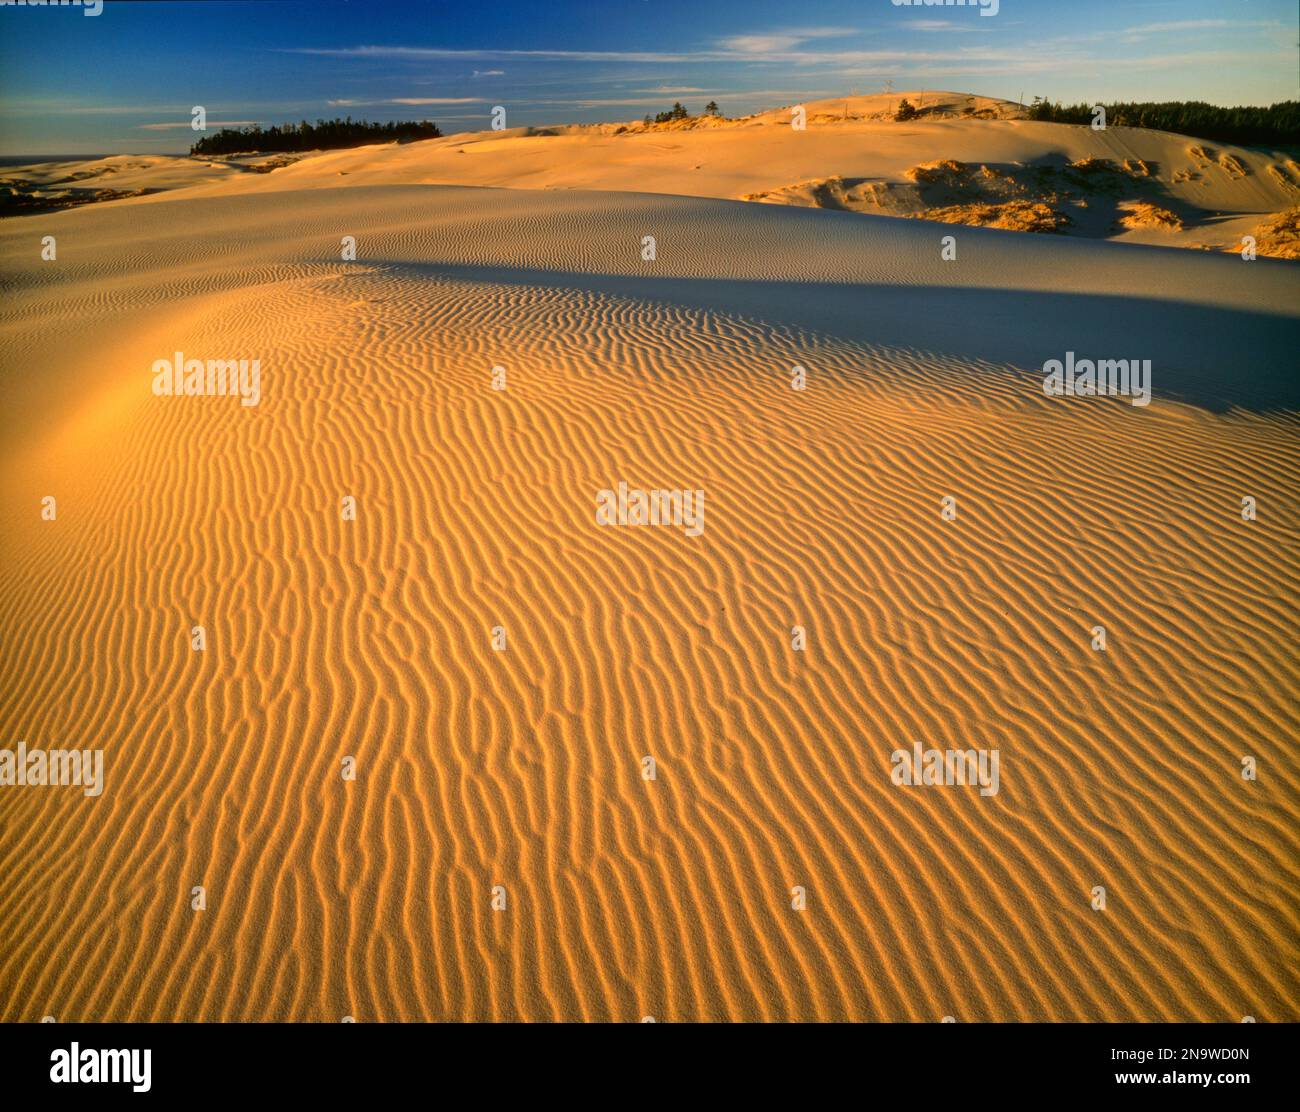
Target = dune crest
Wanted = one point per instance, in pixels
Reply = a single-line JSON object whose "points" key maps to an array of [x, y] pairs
{"points": [[962, 159]]}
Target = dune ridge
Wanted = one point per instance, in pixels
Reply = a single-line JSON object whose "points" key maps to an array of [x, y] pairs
{"points": [[851, 155]]}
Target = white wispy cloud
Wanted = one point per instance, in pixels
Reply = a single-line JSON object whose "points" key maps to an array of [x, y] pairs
{"points": [[427, 53], [796, 57], [403, 100], [1138, 36], [1181, 25], [1082, 65], [939, 25], [71, 107], [435, 100], [186, 124], [753, 47], [770, 42]]}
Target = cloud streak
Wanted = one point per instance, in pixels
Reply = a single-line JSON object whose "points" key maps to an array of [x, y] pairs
{"points": [[186, 123]]}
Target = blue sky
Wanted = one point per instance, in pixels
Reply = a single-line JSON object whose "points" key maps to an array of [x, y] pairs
{"points": [[125, 80]]}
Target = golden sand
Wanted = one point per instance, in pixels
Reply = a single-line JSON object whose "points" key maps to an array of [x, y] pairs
{"points": [[500, 854]]}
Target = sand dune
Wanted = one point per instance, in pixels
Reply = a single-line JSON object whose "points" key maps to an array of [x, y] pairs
{"points": [[50, 186], [522, 768], [852, 155]]}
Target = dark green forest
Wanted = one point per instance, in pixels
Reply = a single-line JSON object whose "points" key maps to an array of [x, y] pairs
{"points": [[323, 135], [1275, 125]]}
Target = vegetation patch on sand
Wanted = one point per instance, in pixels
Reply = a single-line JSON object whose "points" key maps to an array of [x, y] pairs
{"points": [[843, 195], [1015, 216], [1040, 197], [1278, 237], [18, 198], [1143, 214]]}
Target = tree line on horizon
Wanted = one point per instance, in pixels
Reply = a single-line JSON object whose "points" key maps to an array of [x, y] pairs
{"points": [[323, 135], [1276, 123], [679, 112]]}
